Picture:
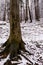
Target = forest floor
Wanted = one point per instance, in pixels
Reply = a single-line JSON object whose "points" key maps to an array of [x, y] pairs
{"points": [[32, 35]]}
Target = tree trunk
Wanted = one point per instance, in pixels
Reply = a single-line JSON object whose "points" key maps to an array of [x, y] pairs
{"points": [[14, 43], [26, 18], [29, 13], [28, 10], [37, 14]]}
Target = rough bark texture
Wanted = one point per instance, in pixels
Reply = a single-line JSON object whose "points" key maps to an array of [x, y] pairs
{"points": [[14, 43]]}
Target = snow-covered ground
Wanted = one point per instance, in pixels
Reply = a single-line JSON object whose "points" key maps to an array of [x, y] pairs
{"points": [[4, 31], [32, 35]]}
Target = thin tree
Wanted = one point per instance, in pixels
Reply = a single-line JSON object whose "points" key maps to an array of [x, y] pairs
{"points": [[28, 10], [29, 13], [26, 17], [4, 15], [22, 10], [37, 14]]}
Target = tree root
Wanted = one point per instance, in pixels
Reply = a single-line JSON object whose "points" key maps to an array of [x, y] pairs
{"points": [[27, 58], [5, 52]]}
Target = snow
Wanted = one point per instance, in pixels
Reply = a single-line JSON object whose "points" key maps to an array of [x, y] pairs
{"points": [[2, 61], [4, 31], [34, 31], [22, 62], [32, 35]]}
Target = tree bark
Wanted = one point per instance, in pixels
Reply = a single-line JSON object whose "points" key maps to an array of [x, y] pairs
{"points": [[14, 43], [26, 17], [28, 10], [37, 13], [29, 13]]}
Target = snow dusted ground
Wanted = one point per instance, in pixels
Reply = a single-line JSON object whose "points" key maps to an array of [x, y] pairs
{"points": [[32, 35], [4, 31]]}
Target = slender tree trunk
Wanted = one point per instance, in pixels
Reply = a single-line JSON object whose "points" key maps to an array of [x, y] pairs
{"points": [[37, 14], [14, 43], [26, 17], [28, 9], [29, 13]]}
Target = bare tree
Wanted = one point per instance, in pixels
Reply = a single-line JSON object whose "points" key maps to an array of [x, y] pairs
{"points": [[28, 10], [26, 17], [15, 42], [37, 13], [4, 16]]}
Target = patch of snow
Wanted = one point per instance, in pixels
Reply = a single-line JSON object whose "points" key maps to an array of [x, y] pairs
{"points": [[4, 60], [32, 35]]}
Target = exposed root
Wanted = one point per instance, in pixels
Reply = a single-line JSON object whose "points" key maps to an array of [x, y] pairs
{"points": [[5, 52]]}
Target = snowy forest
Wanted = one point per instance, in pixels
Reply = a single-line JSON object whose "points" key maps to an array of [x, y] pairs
{"points": [[21, 32]]}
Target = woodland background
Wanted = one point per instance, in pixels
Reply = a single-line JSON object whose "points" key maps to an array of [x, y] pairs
{"points": [[31, 26]]}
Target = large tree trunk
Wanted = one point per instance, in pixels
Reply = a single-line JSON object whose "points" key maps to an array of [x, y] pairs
{"points": [[15, 36], [14, 43]]}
